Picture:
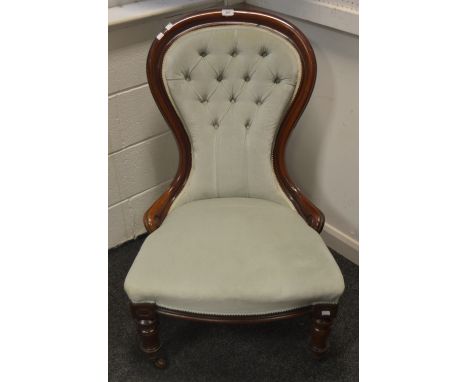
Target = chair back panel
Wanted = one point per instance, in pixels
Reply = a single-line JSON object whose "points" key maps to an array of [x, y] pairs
{"points": [[231, 86]]}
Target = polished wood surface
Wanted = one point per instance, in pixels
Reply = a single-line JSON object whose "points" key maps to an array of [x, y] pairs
{"points": [[157, 212], [147, 323], [321, 323], [146, 317], [146, 314], [244, 319]]}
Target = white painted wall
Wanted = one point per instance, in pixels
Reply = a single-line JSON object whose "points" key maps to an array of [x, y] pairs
{"points": [[338, 14], [322, 154]]}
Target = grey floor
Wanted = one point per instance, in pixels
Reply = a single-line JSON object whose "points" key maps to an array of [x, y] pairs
{"points": [[206, 352]]}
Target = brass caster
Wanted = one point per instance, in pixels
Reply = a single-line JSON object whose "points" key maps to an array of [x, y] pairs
{"points": [[160, 363]]}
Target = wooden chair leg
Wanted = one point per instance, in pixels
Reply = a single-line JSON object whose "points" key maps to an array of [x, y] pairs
{"points": [[147, 322], [322, 320]]}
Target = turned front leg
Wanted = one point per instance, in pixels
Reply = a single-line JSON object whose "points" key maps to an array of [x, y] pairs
{"points": [[322, 320], [147, 322]]}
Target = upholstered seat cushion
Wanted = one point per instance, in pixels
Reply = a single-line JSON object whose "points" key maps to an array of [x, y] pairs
{"points": [[234, 256]]}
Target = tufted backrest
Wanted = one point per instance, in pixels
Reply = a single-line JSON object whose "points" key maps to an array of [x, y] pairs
{"points": [[230, 86]]}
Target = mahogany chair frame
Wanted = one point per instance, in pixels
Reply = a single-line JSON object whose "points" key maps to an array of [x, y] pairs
{"points": [[146, 314]]}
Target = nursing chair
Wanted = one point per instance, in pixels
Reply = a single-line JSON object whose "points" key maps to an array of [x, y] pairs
{"points": [[233, 239]]}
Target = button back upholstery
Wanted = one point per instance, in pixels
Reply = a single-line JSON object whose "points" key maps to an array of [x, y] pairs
{"points": [[231, 86]]}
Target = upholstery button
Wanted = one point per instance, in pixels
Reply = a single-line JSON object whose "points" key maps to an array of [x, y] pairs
{"points": [[232, 99], [187, 78], [219, 78], [234, 53], [204, 100], [247, 124], [203, 53], [246, 78], [277, 80], [258, 101], [215, 124], [263, 52]]}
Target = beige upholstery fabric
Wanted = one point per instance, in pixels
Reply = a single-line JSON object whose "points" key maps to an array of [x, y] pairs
{"points": [[231, 86], [234, 256]]}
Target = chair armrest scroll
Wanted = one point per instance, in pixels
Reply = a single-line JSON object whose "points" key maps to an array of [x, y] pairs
{"points": [[311, 213], [156, 214]]}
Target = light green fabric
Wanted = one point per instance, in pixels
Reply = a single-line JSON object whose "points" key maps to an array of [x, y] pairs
{"points": [[231, 86], [234, 256]]}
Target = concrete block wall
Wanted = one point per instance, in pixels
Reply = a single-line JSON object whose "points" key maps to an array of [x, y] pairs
{"points": [[142, 151]]}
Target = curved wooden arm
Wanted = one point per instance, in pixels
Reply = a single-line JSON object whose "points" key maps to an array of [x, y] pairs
{"points": [[310, 212], [313, 216], [158, 211], [156, 214]]}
